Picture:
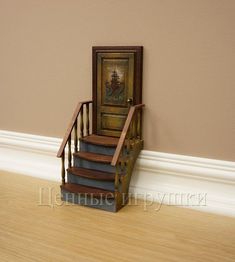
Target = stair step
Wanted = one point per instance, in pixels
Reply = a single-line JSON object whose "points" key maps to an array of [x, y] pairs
{"points": [[106, 159], [89, 191], [101, 140], [91, 173]]}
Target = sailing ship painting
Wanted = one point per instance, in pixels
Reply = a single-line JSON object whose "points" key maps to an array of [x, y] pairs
{"points": [[115, 87]]}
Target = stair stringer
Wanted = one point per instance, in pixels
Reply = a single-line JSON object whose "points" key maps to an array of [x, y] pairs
{"points": [[122, 199]]}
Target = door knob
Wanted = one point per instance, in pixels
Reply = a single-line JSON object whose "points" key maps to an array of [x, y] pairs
{"points": [[130, 101]]}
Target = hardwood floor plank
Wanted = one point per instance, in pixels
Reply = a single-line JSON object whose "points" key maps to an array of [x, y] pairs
{"points": [[33, 228]]}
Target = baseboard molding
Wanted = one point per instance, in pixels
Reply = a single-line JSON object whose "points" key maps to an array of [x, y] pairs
{"points": [[192, 182]]}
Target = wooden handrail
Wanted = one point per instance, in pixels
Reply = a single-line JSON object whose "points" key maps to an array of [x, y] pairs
{"points": [[124, 133], [70, 127]]}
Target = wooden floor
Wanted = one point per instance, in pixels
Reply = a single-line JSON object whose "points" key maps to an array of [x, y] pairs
{"points": [[34, 231]]}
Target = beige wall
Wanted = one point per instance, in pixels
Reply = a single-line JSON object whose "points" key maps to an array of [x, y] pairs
{"points": [[188, 87]]}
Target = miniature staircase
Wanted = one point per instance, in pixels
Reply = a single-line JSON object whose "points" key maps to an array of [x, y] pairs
{"points": [[99, 173], [92, 178]]}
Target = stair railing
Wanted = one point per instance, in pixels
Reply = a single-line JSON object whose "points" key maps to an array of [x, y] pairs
{"points": [[130, 136], [73, 128]]}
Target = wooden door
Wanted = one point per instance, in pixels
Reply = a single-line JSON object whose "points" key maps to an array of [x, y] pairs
{"points": [[117, 83]]}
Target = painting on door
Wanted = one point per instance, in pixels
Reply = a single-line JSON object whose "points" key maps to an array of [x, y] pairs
{"points": [[114, 77]]}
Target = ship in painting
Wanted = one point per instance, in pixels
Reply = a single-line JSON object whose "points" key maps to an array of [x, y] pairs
{"points": [[114, 89]]}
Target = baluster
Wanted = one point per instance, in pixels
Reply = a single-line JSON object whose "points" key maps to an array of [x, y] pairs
{"points": [[128, 145], [134, 125], [69, 153], [123, 159], [81, 123], [87, 120], [138, 124], [130, 137], [76, 135], [132, 130], [62, 169]]}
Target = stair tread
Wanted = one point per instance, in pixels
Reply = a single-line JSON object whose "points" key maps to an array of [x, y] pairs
{"points": [[91, 173], [94, 157], [92, 191], [101, 140]]}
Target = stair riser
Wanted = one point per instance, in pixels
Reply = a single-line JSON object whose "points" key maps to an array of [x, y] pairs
{"points": [[104, 204], [97, 149], [79, 162], [107, 185]]}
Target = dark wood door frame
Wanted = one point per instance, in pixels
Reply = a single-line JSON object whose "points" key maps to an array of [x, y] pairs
{"points": [[138, 68]]}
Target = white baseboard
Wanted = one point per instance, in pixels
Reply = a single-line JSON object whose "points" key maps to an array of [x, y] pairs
{"points": [[199, 183], [30, 155]]}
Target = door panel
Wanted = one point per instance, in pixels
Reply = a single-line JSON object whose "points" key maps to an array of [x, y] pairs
{"points": [[111, 122], [113, 84]]}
